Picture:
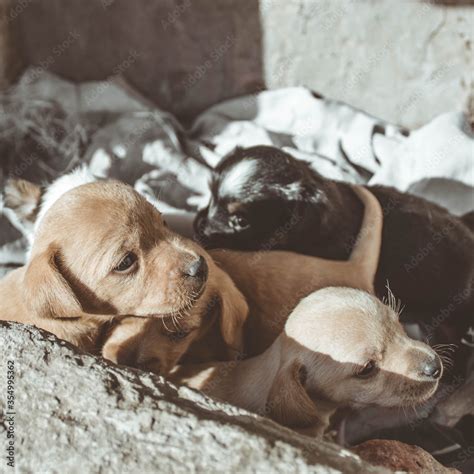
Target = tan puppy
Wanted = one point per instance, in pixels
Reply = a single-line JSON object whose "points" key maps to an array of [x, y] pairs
{"points": [[339, 347], [152, 312], [102, 252], [273, 282]]}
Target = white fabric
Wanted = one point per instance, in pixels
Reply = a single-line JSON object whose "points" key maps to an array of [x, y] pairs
{"points": [[171, 166], [344, 143]]}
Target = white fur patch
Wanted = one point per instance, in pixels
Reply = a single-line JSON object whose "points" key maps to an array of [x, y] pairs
{"points": [[100, 163], [60, 187], [292, 190], [239, 175]]}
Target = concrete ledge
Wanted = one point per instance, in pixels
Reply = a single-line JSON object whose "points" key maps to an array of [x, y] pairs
{"points": [[77, 413]]}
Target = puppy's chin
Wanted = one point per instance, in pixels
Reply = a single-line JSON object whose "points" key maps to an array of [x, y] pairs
{"points": [[415, 395], [412, 396], [180, 311], [426, 391]]}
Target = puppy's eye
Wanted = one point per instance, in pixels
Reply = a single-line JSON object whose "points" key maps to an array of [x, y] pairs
{"points": [[238, 221], [368, 370], [303, 375], [178, 335], [126, 263]]}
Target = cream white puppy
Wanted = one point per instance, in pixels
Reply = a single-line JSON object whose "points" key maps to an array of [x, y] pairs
{"points": [[340, 347]]}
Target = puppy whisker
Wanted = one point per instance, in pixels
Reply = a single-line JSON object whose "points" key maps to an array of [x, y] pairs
{"points": [[447, 361], [446, 355], [448, 347], [175, 322], [392, 301], [444, 352], [164, 324]]}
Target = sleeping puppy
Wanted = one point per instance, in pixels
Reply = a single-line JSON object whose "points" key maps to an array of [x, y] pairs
{"points": [[101, 254], [339, 347], [213, 328], [427, 253]]}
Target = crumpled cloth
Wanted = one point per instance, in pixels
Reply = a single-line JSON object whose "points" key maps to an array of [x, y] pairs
{"points": [[343, 143], [127, 138]]}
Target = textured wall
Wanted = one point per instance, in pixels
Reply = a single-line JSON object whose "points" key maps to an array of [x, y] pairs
{"points": [[182, 54], [10, 60], [403, 60]]}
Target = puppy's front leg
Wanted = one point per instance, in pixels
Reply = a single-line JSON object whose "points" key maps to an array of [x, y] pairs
{"points": [[144, 343], [122, 343]]}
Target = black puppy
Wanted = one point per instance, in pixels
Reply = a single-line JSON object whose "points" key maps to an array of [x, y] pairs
{"points": [[263, 198]]}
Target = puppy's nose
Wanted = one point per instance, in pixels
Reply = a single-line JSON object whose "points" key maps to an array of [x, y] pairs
{"points": [[433, 368], [197, 269]]}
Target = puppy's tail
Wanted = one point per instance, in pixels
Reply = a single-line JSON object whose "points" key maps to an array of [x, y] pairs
{"points": [[366, 251]]}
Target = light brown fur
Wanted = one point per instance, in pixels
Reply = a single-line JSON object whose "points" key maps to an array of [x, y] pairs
{"points": [[273, 282], [311, 368], [67, 288]]}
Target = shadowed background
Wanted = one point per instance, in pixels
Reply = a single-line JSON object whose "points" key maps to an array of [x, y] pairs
{"points": [[403, 61]]}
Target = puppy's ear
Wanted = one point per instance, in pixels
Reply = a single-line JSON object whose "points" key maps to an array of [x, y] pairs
{"points": [[23, 199], [288, 402], [234, 311], [46, 291]]}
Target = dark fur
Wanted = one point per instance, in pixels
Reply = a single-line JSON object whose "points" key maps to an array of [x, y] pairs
{"points": [[427, 254]]}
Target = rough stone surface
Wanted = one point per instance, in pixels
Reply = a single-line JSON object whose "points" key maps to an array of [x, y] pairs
{"points": [[400, 457], [78, 413], [404, 61]]}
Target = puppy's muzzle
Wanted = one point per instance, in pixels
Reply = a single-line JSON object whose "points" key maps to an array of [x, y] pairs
{"points": [[208, 234], [432, 368]]}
